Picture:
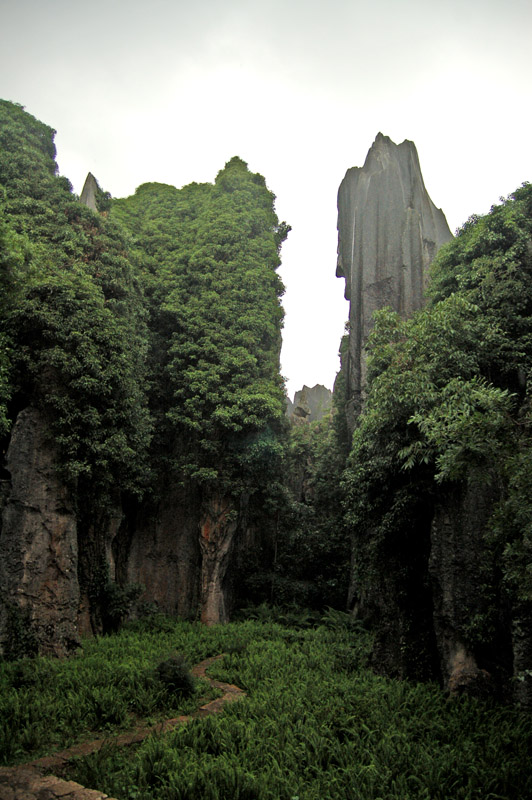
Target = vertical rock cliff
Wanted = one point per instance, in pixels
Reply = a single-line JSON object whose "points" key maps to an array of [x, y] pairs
{"points": [[145, 348], [163, 552], [38, 541], [389, 231], [317, 399], [470, 620]]}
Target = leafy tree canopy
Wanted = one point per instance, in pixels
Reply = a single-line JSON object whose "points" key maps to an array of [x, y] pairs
{"points": [[209, 255], [77, 331]]}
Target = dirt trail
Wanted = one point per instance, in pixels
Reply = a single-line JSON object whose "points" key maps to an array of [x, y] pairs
{"points": [[28, 782]]}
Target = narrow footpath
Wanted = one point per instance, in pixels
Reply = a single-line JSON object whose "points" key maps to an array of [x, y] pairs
{"points": [[29, 781]]}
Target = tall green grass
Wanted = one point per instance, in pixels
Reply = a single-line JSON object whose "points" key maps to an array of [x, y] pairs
{"points": [[46, 703], [315, 725]]}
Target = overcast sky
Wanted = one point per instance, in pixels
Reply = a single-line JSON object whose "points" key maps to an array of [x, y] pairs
{"points": [[169, 91]]}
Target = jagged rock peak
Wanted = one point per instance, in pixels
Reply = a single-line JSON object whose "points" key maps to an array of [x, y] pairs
{"points": [[90, 192], [383, 150], [389, 231], [311, 403]]}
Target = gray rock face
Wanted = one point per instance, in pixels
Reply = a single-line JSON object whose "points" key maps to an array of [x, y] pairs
{"points": [[311, 402], [465, 591], [164, 554], [218, 531], [90, 192], [180, 551], [38, 540], [484, 639], [389, 231]]}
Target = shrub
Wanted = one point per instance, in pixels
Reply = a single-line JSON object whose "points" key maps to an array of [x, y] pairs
{"points": [[174, 674]]}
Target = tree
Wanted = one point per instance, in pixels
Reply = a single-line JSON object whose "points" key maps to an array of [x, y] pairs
{"points": [[77, 330]]}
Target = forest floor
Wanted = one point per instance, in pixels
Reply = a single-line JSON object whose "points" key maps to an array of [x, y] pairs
{"points": [[32, 781]]}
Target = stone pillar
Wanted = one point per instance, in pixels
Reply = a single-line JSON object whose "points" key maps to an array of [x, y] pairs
{"points": [[389, 231], [38, 540]]}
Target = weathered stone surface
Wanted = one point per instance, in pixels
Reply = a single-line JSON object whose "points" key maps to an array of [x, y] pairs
{"points": [[164, 554], [311, 402], [391, 594], [218, 529], [38, 539], [289, 412], [89, 192], [388, 234], [98, 532], [389, 231], [469, 620]]}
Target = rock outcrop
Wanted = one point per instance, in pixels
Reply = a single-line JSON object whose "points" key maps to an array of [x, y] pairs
{"points": [[312, 403], [38, 542], [469, 618], [218, 531], [163, 553], [89, 193], [435, 598], [389, 231]]}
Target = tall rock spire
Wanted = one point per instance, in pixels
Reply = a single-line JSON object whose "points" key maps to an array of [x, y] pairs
{"points": [[389, 231], [89, 192]]}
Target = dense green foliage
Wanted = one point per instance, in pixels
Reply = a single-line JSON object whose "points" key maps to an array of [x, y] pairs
{"points": [[209, 256], [77, 329], [183, 315], [13, 254], [147, 333], [315, 723], [310, 568], [46, 703]]}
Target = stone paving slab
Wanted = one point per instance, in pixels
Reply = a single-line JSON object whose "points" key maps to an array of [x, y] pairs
{"points": [[27, 781]]}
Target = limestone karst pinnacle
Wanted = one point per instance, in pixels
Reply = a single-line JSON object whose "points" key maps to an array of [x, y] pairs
{"points": [[89, 192], [310, 403], [389, 231]]}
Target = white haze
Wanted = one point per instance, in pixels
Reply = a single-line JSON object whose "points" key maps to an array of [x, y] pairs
{"points": [[169, 91]]}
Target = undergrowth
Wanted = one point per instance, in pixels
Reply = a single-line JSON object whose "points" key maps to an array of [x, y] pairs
{"points": [[316, 725], [111, 684]]}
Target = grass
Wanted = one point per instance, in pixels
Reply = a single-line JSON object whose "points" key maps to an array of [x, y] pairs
{"points": [[46, 704], [315, 725]]}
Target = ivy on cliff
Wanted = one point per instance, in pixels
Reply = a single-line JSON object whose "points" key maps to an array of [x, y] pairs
{"points": [[77, 331], [154, 324], [209, 256], [14, 254]]}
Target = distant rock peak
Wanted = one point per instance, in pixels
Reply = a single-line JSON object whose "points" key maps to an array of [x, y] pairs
{"points": [[311, 403], [90, 192]]}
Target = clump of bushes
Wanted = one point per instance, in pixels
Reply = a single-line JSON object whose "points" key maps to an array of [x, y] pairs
{"points": [[175, 676]]}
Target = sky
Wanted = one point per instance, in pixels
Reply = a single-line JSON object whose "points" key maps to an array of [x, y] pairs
{"points": [[169, 91]]}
